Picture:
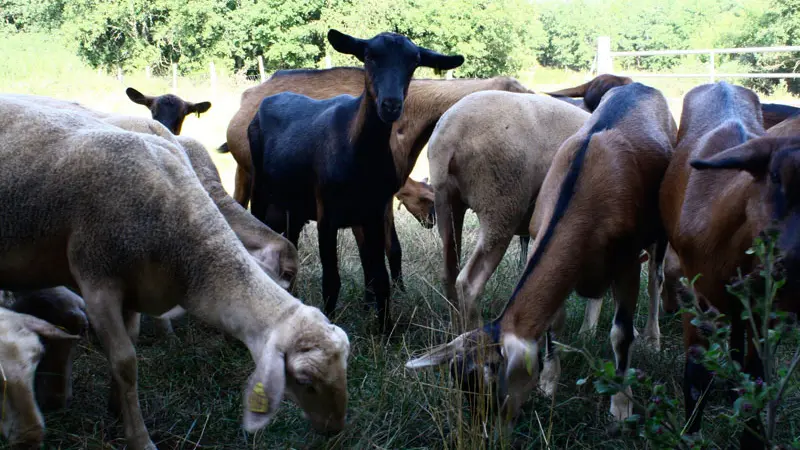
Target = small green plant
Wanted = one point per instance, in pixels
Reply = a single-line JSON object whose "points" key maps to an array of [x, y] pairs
{"points": [[759, 400]]}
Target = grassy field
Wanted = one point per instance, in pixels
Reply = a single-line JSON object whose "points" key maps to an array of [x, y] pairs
{"points": [[191, 390]]}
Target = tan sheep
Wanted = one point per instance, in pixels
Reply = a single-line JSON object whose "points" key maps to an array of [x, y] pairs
{"points": [[123, 218], [20, 352]]}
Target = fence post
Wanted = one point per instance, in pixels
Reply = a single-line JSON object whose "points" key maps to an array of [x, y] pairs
{"points": [[213, 73], [261, 68], [119, 74], [174, 77], [712, 66], [448, 75], [328, 64], [147, 72], [604, 63]]}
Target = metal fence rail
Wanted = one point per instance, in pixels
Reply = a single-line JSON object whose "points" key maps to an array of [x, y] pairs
{"points": [[605, 61]]}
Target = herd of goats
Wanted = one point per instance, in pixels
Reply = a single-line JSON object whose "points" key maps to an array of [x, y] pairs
{"points": [[105, 217]]}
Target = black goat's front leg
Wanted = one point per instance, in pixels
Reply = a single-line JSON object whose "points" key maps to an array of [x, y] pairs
{"points": [[375, 268], [331, 283], [396, 258]]}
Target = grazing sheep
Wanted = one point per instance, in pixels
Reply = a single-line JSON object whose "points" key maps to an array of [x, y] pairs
{"points": [[330, 160], [20, 351], [121, 217], [597, 208], [168, 109], [64, 309], [273, 252], [426, 101], [727, 183], [490, 153]]}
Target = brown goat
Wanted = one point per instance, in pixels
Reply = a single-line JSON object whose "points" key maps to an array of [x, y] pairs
{"points": [[592, 91], [168, 109], [597, 208], [775, 113], [727, 183], [417, 197], [427, 100]]}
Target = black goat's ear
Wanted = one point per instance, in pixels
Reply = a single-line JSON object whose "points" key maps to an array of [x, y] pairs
{"points": [[199, 108], [346, 44], [753, 156], [438, 61], [138, 97]]}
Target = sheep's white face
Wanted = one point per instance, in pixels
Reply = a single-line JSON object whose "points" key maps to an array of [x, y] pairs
{"points": [[20, 352], [304, 359]]}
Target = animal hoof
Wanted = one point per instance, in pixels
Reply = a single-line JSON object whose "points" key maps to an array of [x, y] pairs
{"points": [[399, 284]]}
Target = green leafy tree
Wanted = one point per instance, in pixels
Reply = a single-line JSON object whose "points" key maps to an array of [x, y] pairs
{"points": [[779, 24]]}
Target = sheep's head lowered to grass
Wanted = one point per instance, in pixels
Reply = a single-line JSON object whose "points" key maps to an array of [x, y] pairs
{"points": [[305, 360]]}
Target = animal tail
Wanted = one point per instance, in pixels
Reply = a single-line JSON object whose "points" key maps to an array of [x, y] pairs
{"points": [[223, 148]]}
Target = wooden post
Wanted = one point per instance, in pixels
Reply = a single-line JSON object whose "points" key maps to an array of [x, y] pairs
{"points": [[147, 72], [328, 64], [119, 74], [261, 68], [604, 63], [711, 66], [99, 71], [448, 75], [174, 77], [213, 73]]}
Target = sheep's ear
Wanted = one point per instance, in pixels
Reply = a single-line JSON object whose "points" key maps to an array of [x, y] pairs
{"points": [[349, 45], [441, 354], [438, 61], [753, 156], [199, 108], [138, 97], [46, 329], [265, 388]]}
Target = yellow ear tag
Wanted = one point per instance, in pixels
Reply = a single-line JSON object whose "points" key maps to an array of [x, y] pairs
{"points": [[259, 403]]}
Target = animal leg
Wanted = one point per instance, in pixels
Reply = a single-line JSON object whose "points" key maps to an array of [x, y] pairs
{"points": [[242, 186], [450, 212], [626, 290], [375, 270], [655, 281], [395, 254], [524, 243], [591, 316], [327, 236], [696, 378], [369, 296], [132, 321], [104, 307], [480, 267], [551, 372]]}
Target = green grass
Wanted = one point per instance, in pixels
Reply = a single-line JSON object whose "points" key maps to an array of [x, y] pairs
{"points": [[191, 392]]}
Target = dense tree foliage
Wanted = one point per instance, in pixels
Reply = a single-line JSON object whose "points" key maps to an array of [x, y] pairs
{"points": [[495, 36]]}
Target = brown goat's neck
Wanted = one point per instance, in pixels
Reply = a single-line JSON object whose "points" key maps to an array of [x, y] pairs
{"points": [[545, 288]]}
